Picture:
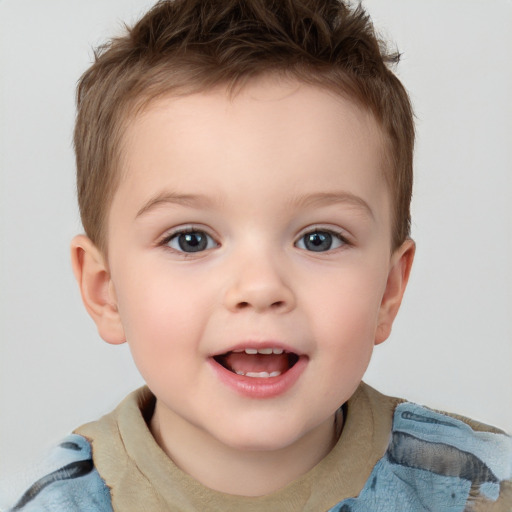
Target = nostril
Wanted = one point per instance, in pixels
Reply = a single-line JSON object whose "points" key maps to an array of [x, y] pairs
{"points": [[273, 305]]}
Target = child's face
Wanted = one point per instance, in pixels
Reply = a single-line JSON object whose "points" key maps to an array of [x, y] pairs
{"points": [[260, 222]]}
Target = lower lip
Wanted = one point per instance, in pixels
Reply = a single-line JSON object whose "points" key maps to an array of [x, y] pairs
{"points": [[260, 387]]}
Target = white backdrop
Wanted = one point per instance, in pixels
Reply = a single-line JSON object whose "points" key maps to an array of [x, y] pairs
{"points": [[452, 344]]}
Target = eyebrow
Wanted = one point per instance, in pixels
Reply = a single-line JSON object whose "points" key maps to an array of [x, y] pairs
{"points": [[163, 198], [306, 200], [328, 198]]}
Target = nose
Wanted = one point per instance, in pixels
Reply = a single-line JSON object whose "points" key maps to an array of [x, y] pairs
{"points": [[258, 283]]}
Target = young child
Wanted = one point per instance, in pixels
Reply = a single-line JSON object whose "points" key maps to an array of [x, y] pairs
{"points": [[244, 180]]}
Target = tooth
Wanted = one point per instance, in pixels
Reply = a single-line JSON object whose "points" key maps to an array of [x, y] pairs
{"points": [[239, 372], [275, 374], [263, 375], [265, 351], [277, 351], [251, 351]]}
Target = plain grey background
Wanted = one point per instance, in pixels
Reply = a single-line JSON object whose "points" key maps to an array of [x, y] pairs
{"points": [[451, 347]]}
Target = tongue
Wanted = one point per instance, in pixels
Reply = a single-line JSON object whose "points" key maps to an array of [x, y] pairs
{"points": [[244, 363]]}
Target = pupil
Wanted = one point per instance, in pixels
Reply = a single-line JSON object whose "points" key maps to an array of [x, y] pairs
{"points": [[192, 242], [318, 241]]}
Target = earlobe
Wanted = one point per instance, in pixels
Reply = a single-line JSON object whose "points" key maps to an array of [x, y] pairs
{"points": [[97, 290], [400, 269]]}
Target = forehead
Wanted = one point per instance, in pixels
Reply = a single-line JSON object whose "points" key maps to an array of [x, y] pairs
{"points": [[271, 135]]}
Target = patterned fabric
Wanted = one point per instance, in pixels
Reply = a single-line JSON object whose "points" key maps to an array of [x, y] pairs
{"points": [[434, 462], [72, 483]]}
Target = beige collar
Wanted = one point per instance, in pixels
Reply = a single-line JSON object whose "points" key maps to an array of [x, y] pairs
{"points": [[142, 477]]}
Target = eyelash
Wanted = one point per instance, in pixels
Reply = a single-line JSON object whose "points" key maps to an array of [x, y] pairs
{"points": [[209, 240], [318, 237], [333, 236]]}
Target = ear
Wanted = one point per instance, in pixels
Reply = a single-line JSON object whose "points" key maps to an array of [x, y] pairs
{"points": [[98, 294], [400, 268]]}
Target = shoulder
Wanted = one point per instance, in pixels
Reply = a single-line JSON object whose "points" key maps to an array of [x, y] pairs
{"points": [[67, 482], [436, 461], [451, 458], [451, 446]]}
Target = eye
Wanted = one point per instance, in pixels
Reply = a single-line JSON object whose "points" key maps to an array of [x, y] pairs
{"points": [[320, 241], [190, 241]]}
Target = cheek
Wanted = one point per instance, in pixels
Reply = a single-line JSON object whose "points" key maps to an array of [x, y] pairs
{"points": [[348, 303], [159, 315], [345, 321]]}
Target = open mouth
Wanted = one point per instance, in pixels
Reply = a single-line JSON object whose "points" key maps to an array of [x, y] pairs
{"points": [[259, 363]]}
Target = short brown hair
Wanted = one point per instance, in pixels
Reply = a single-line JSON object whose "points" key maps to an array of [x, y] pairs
{"points": [[185, 46]]}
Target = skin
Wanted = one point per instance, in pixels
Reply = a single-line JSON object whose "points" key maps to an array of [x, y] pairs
{"points": [[254, 174]]}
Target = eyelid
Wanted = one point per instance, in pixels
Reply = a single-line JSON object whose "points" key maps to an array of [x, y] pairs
{"points": [[188, 228], [337, 232], [334, 230]]}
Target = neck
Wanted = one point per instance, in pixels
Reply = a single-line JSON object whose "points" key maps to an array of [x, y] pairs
{"points": [[236, 471]]}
